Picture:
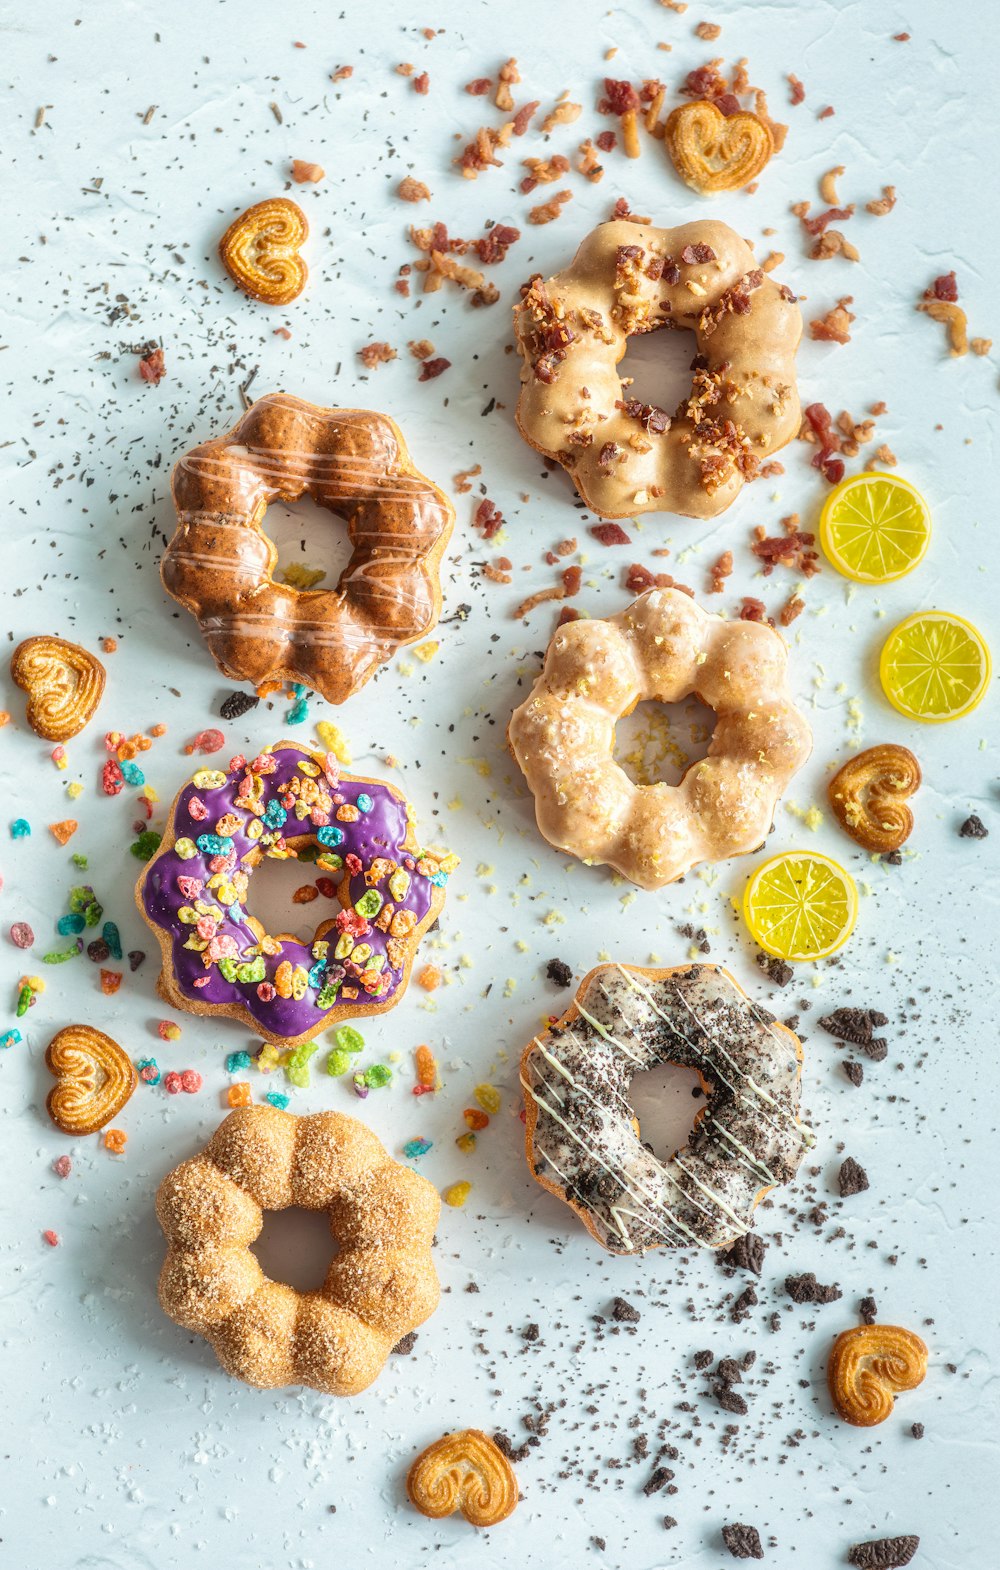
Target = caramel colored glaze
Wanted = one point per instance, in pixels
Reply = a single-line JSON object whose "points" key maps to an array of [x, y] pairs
{"points": [[64, 684], [869, 1365], [94, 1079], [467, 1472], [573, 330], [868, 795], [260, 251], [713, 152], [380, 1285], [220, 562], [663, 647]]}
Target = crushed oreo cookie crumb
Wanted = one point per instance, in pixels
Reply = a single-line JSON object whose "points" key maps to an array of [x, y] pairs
{"points": [[868, 1309], [669, 1522], [854, 1025], [656, 1480], [238, 704], [530, 1332], [917, 1430], [806, 1289], [974, 828], [404, 1346], [776, 970], [703, 1360], [854, 1070], [883, 1553], [559, 972], [852, 1178], [743, 1304], [747, 1253], [742, 1541], [624, 1311]]}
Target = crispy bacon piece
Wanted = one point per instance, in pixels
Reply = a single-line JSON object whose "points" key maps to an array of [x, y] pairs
{"points": [[620, 97], [798, 92], [821, 424], [488, 518], [606, 141], [943, 288], [693, 255], [152, 366], [649, 415], [479, 86], [610, 533], [815, 226], [430, 369], [787, 550], [752, 610], [495, 243], [375, 354], [834, 327], [524, 117]]}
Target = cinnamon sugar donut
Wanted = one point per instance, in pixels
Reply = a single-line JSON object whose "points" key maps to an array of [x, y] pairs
{"points": [[663, 647], [582, 1138], [381, 1283], [626, 457], [220, 562]]}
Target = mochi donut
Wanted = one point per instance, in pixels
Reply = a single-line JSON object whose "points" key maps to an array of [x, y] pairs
{"points": [[220, 563], [664, 647], [195, 894], [582, 1138], [625, 456], [381, 1282]]}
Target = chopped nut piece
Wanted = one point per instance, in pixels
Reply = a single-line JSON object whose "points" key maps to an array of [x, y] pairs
{"points": [[954, 319], [546, 212], [412, 190], [882, 204], [375, 354], [828, 185]]}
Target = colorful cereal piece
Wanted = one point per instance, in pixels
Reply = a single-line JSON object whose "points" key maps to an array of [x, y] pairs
{"points": [[239, 1095], [111, 980], [297, 1064], [62, 1166], [206, 741], [348, 1039], [148, 1070], [116, 1139], [63, 830], [277, 1098], [10, 1038], [416, 1147], [20, 829], [146, 844], [112, 937], [457, 1194], [71, 922], [191, 1081], [466, 1143], [378, 1076], [488, 1097], [338, 1062], [430, 978], [238, 1062], [21, 935], [475, 1119], [427, 1071], [51, 1238]]}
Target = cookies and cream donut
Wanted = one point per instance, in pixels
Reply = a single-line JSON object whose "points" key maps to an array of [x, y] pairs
{"points": [[220, 563], [381, 1282], [665, 647], [627, 457], [195, 894], [582, 1140]]}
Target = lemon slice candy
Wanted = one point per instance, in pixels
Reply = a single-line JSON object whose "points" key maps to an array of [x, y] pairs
{"points": [[875, 527], [801, 906], [935, 667]]}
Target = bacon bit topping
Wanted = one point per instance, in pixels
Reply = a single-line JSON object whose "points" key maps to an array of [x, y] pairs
{"points": [[882, 204], [605, 458], [709, 31], [431, 369], [623, 213], [794, 549], [498, 571], [954, 319], [412, 190], [791, 609], [638, 579], [981, 346], [693, 255], [798, 92], [422, 84], [405, 68], [828, 185], [834, 243], [943, 288], [479, 86], [815, 226], [421, 348], [572, 578], [834, 327], [706, 81], [630, 134], [719, 572], [768, 471], [821, 425], [610, 533], [524, 117], [772, 260], [589, 164], [305, 173], [479, 153], [487, 517], [568, 613], [825, 114], [495, 243], [652, 418], [375, 354], [152, 366], [882, 458], [557, 592], [620, 97], [508, 74], [564, 113], [546, 212], [607, 141], [283, 332], [342, 73], [543, 171], [752, 610], [462, 481]]}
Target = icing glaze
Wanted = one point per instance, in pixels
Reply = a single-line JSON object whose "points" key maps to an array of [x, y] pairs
{"points": [[581, 1139], [196, 891]]}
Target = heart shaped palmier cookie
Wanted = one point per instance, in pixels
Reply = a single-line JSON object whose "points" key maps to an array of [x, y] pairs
{"points": [[467, 1472], [712, 151], [868, 1366], [868, 796], [94, 1079], [260, 251], [63, 682]]}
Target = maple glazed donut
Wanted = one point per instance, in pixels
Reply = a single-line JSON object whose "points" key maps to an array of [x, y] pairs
{"points": [[663, 647], [220, 562], [194, 894], [582, 1138], [380, 1285], [627, 457]]}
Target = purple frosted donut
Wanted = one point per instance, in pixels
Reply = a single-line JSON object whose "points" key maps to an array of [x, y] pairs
{"points": [[194, 894]]}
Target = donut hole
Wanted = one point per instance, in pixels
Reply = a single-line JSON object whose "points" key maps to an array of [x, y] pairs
{"points": [[659, 364], [666, 1099], [307, 535], [658, 742], [296, 1247], [271, 901]]}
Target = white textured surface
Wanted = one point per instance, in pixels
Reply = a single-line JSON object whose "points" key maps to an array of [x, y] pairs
{"points": [[126, 1446]]}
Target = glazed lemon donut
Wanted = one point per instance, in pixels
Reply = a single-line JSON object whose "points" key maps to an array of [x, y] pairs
{"points": [[582, 1138], [220, 563], [380, 1285], [626, 457], [663, 647]]}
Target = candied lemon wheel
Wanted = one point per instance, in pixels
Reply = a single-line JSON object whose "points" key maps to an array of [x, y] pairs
{"points": [[875, 527], [801, 906], [935, 667]]}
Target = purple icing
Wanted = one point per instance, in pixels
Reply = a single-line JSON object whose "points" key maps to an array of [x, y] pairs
{"points": [[380, 831]]}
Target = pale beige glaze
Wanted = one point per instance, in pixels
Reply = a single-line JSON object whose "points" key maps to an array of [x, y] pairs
{"points": [[380, 1285], [220, 563], [744, 406], [662, 647]]}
